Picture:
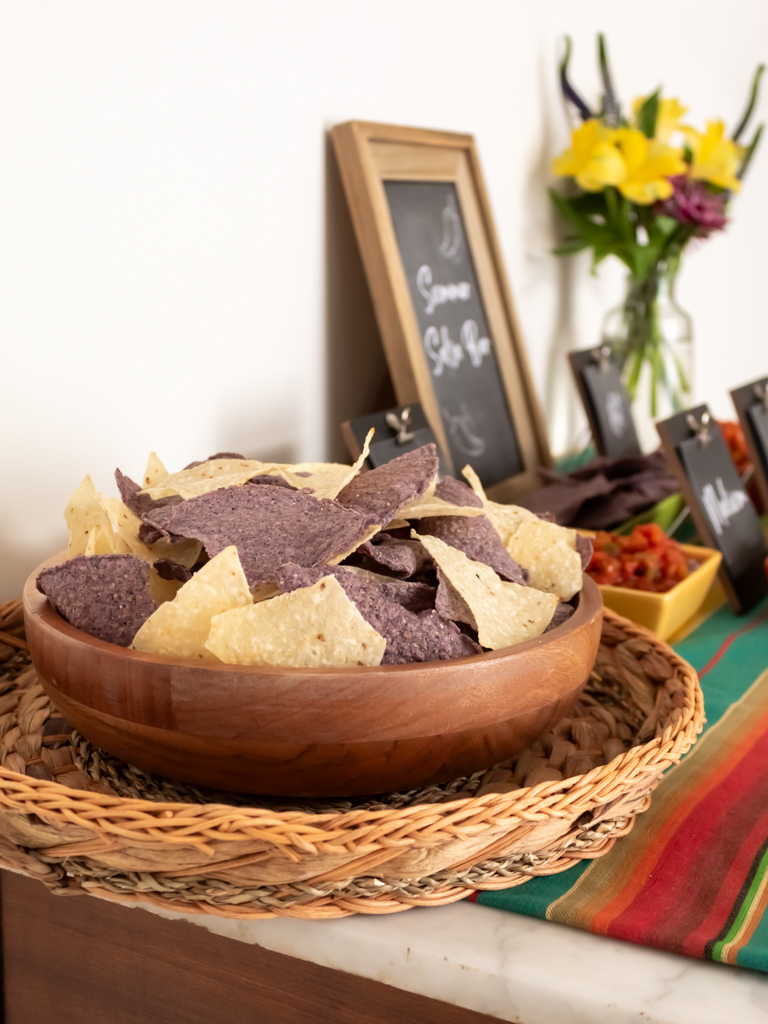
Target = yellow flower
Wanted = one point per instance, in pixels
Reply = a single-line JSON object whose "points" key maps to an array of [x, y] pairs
{"points": [[593, 159], [715, 159], [649, 166], [667, 121]]}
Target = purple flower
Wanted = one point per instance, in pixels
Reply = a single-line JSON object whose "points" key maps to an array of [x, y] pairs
{"points": [[693, 203]]}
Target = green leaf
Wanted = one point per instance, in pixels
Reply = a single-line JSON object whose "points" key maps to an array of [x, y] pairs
{"points": [[649, 115], [570, 247], [643, 258], [750, 103], [611, 112], [666, 225], [750, 152]]}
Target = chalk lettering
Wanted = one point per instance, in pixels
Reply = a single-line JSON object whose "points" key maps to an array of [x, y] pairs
{"points": [[614, 410], [442, 350], [477, 348], [438, 294], [721, 504]]}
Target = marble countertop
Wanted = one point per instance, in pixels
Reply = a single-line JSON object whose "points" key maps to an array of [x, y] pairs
{"points": [[512, 967]]}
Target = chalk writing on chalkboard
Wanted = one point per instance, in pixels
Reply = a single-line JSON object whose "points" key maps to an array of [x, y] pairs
{"points": [[606, 402], [456, 339]]}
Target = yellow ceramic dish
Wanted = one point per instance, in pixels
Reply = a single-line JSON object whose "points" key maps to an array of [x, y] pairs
{"points": [[666, 613]]}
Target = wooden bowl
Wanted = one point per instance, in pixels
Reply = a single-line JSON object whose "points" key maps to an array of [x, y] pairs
{"points": [[313, 731]]}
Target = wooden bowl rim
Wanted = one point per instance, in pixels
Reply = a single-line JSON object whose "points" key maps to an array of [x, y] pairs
{"points": [[36, 604]]}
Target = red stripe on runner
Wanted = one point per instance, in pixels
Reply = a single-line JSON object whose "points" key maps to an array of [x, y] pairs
{"points": [[727, 643]]}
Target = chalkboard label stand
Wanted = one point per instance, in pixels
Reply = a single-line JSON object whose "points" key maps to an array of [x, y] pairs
{"points": [[606, 402], [752, 409], [721, 509], [391, 440], [427, 241]]}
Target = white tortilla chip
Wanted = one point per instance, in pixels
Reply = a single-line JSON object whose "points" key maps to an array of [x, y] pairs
{"points": [[311, 627], [506, 613], [433, 506], [180, 628], [208, 476], [85, 514], [549, 554], [155, 471]]}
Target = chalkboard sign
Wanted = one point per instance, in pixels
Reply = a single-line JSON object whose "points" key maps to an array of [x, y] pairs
{"points": [[454, 328], [606, 402], [447, 322], [390, 441], [721, 508], [752, 409]]}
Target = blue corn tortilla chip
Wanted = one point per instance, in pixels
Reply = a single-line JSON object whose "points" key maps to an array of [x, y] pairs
{"points": [[140, 503], [383, 492], [423, 636], [401, 557], [450, 604], [107, 596], [268, 525], [167, 569], [478, 539], [585, 548], [218, 455], [562, 613], [273, 481], [457, 492]]}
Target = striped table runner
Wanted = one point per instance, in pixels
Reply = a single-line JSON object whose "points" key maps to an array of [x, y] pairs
{"points": [[692, 877]]}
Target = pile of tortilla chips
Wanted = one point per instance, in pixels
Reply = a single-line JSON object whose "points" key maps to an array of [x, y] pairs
{"points": [[311, 565]]}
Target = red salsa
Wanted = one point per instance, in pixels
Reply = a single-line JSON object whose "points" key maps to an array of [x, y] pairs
{"points": [[646, 560]]}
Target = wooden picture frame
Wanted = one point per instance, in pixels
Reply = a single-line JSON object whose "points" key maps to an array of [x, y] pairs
{"points": [[377, 162]]}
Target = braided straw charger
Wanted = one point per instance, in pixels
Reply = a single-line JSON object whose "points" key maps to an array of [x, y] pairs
{"points": [[82, 821]]}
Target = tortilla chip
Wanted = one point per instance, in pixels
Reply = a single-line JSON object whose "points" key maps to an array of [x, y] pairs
{"points": [[155, 471], [457, 493], [434, 506], [397, 524], [506, 613], [180, 628], [107, 596], [269, 526], [549, 554], [314, 627], [563, 612], [126, 526], [385, 491], [139, 503], [102, 541], [325, 479], [400, 556], [479, 541], [84, 513], [208, 476], [505, 518], [450, 604], [397, 611]]}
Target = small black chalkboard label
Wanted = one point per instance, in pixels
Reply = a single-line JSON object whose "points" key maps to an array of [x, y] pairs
{"points": [[455, 336], [758, 418], [606, 403], [387, 444], [721, 507], [750, 403]]}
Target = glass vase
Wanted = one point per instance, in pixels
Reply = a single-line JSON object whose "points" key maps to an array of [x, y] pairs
{"points": [[653, 339]]}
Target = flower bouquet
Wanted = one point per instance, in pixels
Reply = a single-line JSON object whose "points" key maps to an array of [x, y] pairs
{"points": [[643, 185]]}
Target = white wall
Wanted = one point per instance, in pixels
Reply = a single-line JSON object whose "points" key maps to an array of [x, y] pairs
{"points": [[178, 270]]}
